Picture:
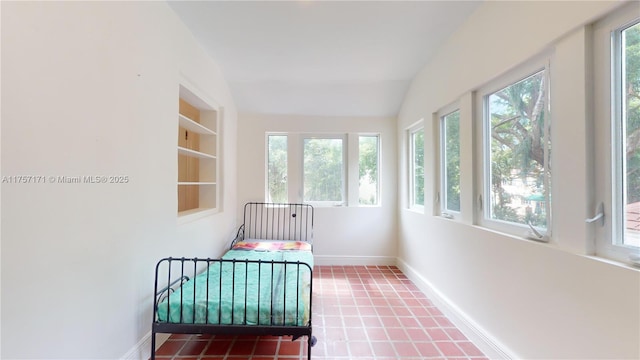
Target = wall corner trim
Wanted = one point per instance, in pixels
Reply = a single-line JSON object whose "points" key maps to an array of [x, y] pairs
{"points": [[141, 350], [492, 348]]}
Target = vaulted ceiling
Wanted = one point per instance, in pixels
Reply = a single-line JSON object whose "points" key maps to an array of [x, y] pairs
{"points": [[324, 58]]}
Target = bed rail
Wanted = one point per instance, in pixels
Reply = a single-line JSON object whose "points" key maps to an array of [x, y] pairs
{"points": [[220, 303], [276, 221], [171, 287]]}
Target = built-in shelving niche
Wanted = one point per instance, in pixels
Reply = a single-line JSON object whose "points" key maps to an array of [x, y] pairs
{"points": [[198, 181]]}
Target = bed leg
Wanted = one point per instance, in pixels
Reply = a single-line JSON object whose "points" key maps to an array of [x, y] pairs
{"points": [[310, 342], [153, 346]]}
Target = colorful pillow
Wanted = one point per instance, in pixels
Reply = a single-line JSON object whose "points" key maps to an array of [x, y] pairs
{"points": [[272, 245]]}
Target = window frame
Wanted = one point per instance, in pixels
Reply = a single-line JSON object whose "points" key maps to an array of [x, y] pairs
{"points": [[442, 178], [608, 131], [350, 165], [345, 196], [411, 131], [541, 62]]}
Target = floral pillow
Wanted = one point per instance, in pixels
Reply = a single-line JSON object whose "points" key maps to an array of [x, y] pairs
{"points": [[272, 245]]}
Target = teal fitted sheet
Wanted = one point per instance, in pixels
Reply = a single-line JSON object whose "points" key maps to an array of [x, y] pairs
{"points": [[243, 293]]}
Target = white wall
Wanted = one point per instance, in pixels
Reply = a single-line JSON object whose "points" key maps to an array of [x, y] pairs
{"points": [[90, 88], [342, 235], [537, 300]]}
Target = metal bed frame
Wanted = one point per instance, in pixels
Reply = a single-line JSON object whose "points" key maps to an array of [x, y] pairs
{"points": [[276, 221], [263, 221]]}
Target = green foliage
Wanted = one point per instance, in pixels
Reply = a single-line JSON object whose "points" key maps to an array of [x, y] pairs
{"points": [[277, 168], [632, 91], [368, 156], [368, 169], [418, 167], [452, 160], [518, 151], [323, 170]]}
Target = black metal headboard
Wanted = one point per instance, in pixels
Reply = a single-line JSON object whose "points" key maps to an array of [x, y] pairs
{"points": [[278, 221]]}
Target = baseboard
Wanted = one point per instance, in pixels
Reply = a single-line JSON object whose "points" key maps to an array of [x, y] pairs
{"points": [[142, 350], [341, 260], [492, 348]]}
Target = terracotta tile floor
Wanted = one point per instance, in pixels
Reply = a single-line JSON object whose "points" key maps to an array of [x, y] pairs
{"points": [[359, 312]]}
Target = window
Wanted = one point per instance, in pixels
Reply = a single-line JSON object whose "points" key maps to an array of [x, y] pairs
{"points": [[626, 102], [416, 168], [516, 156], [450, 163], [368, 164], [277, 169], [312, 168], [617, 131], [324, 170]]}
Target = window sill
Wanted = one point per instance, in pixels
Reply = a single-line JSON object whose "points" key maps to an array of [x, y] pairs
{"points": [[416, 209], [617, 263], [548, 242], [621, 264], [519, 231], [324, 205], [618, 254]]}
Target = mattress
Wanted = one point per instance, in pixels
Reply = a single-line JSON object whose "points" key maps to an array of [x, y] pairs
{"points": [[241, 293]]}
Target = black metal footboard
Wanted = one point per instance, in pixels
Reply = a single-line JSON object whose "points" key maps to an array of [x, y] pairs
{"points": [[233, 297]]}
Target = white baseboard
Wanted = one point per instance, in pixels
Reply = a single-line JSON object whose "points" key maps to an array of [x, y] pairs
{"points": [[341, 260], [142, 350], [491, 348]]}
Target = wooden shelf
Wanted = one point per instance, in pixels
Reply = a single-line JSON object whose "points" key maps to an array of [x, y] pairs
{"points": [[194, 126], [193, 153], [186, 183], [192, 211]]}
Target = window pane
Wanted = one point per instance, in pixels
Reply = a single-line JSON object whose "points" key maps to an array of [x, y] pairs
{"points": [[323, 170], [631, 133], [451, 180], [417, 141], [277, 169], [368, 165], [517, 151]]}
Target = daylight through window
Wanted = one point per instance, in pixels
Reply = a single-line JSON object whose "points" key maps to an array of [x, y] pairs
{"points": [[368, 169], [323, 170], [450, 127], [417, 167], [627, 100], [518, 151], [277, 169]]}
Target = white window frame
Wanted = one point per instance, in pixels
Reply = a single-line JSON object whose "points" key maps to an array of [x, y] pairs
{"points": [[482, 216], [419, 126], [607, 136], [351, 158], [442, 196], [345, 147], [378, 164]]}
